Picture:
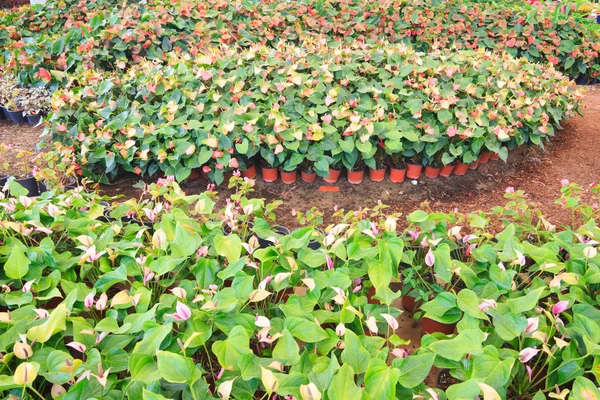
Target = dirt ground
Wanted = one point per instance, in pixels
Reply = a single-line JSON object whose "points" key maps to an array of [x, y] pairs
{"points": [[573, 154]]}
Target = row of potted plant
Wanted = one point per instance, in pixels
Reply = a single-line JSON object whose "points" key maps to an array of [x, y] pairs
{"points": [[22, 105], [41, 39], [324, 109], [398, 169], [99, 307]]}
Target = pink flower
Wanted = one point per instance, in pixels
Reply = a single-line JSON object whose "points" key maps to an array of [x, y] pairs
{"points": [[564, 182], [527, 354], [263, 284], [399, 353], [183, 312], [88, 302], [430, 258], [560, 307], [233, 163], [101, 303], [413, 235], [532, 324], [326, 118], [202, 252], [27, 286], [487, 303], [520, 258], [529, 372], [509, 189], [80, 347], [329, 263], [469, 248]]}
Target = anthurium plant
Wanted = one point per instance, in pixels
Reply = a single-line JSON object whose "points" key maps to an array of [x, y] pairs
{"points": [[108, 308], [329, 107], [46, 43]]}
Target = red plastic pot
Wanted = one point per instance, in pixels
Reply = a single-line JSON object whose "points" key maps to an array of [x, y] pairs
{"points": [[397, 175], [431, 326], [269, 174], [413, 171], [194, 174], [377, 175], [460, 168], [308, 177], [474, 165], [250, 172], [494, 156], [288, 177], [447, 170], [355, 177], [485, 157], [334, 175], [432, 172]]}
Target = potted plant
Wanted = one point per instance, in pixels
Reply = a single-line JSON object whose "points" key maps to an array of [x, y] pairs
{"points": [[270, 163], [334, 169], [397, 167], [22, 173], [12, 104], [414, 166], [433, 166], [36, 103], [448, 164], [355, 166], [307, 170], [378, 163], [289, 168]]}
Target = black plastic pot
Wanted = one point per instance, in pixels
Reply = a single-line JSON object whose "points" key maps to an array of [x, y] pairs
{"points": [[17, 117], [281, 230], [314, 244], [30, 184], [71, 185], [227, 230], [3, 179], [34, 119], [4, 113]]}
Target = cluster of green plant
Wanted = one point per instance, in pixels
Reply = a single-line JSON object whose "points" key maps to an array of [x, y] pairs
{"points": [[323, 107], [95, 304], [31, 100], [42, 43]]}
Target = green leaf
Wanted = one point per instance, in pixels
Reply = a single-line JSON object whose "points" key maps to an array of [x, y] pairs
{"points": [[230, 350], [509, 326], [526, 303], [148, 395], [343, 386], [287, 349], [306, 330], [414, 369], [467, 342], [468, 301], [584, 389], [355, 354], [229, 246], [380, 380], [17, 265], [184, 243], [56, 322], [175, 368]]}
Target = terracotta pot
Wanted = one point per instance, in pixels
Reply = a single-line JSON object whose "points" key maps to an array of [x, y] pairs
{"points": [[269, 174], [355, 177], [377, 175], [370, 295], [195, 174], [474, 165], [494, 156], [431, 326], [334, 175], [485, 157], [460, 168], [432, 172], [447, 170], [397, 175], [288, 177], [308, 177], [413, 171], [250, 172], [409, 303]]}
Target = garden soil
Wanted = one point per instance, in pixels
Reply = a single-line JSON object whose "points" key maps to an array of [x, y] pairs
{"points": [[574, 154]]}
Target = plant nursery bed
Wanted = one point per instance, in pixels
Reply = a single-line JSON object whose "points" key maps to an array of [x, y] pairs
{"points": [[572, 155]]}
